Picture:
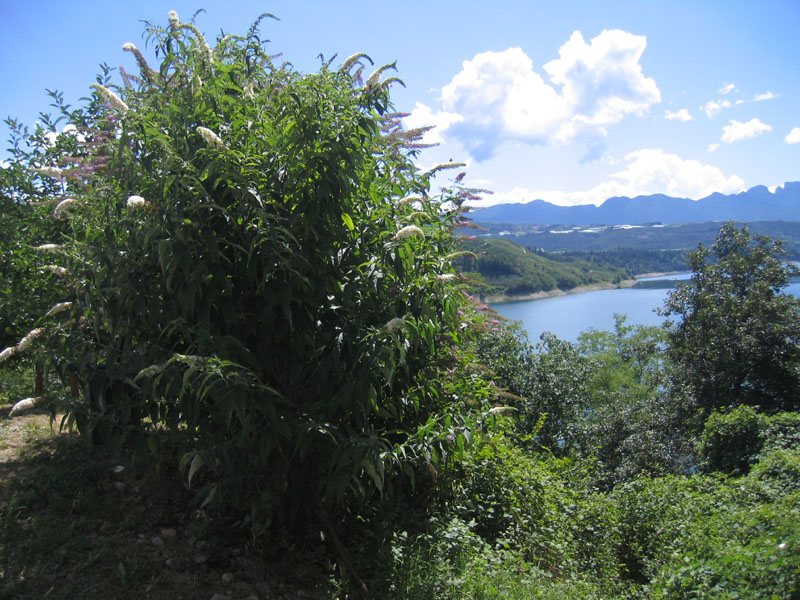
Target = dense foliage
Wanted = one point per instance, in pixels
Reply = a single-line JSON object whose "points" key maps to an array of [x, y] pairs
{"points": [[506, 268], [736, 337], [249, 279], [635, 261]]}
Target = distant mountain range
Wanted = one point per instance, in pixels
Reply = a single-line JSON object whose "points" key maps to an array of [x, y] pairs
{"points": [[756, 204]]}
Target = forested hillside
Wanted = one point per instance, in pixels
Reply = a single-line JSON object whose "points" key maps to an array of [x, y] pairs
{"points": [[634, 261], [500, 267], [243, 307], [509, 269]]}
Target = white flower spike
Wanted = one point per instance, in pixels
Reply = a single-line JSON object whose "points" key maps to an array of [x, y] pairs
{"points": [[25, 404], [28, 339], [249, 93], [396, 323], [408, 200], [501, 410], [60, 271], [135, 202], [60, 307], [50, 172], [211, 138], [408, 232], [65, 204], [8, 353], [110, 97]]}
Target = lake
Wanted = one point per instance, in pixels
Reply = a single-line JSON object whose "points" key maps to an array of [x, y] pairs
{"points": [[568, 316]]}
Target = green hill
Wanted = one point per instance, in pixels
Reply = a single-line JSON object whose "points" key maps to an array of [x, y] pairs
{"points": [[508, 269]]}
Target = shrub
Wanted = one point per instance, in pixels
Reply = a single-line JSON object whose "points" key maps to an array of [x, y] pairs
{"points": [[652, 515], [257, 267], [782, 430], [779, 470], [744, 552], [730, 441], [549, 380], [711, 537], [537, 507]]}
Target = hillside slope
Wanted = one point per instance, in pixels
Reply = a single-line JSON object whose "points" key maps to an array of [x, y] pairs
{"points": [[511, 270]]}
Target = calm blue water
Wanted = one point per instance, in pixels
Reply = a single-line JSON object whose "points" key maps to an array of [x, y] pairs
{"points": [[568, 316]]}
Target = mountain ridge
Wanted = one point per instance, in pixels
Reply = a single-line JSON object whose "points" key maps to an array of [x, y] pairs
{"points": [[754, 204]]}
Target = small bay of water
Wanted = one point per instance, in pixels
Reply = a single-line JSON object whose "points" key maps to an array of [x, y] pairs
{"points": [[570, 315]]}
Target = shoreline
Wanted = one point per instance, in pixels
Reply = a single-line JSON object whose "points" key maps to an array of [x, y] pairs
{"points": [[592, 287]]}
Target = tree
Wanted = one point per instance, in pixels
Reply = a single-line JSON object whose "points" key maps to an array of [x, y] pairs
{"points": [[549, 381], [258, 269], [736, 339], [631, 428], [627, 363]]}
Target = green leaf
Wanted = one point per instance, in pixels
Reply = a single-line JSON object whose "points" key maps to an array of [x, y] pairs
{"points": [[348, 221], [197, 463]]}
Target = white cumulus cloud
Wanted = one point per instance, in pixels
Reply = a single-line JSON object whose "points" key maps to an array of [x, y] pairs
{"points": [[648, 171], [652, 171], [681, 115], [499, 96], [602, 81], [794, 136], [713, 147], [737, 131], [764, 96], [727, 88], [713, 107]]}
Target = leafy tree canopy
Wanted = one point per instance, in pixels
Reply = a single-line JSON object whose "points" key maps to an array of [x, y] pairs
{"points": [[737, 336]]}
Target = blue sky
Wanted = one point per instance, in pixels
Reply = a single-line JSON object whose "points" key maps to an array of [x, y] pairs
{"points": [[571, 102]]}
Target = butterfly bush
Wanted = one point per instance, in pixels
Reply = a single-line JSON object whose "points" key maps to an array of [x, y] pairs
{"points": [[248, 314]]}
